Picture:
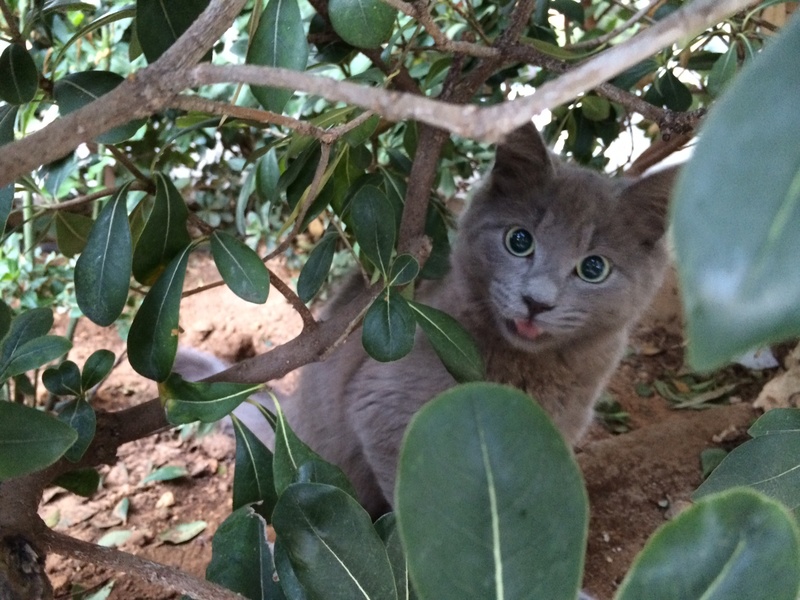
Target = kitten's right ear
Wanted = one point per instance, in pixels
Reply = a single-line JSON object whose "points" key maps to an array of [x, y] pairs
{"points": [[522, 159]]}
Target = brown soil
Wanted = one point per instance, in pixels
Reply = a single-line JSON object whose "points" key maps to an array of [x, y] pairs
{"points": [[636, 480]]}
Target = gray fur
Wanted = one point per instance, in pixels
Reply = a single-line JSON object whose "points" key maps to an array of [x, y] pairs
{"points": [[354, 410]]}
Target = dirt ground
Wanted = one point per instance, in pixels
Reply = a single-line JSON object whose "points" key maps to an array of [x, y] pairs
{"points": [[637, 477]]}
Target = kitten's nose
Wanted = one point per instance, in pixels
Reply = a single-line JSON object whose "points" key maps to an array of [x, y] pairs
{"points": [[535, 307]]}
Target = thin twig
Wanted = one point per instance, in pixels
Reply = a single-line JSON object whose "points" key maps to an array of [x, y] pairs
{"points": [[313, 190], [126, 162], [607, 37], [309, 322], [16, 36]]}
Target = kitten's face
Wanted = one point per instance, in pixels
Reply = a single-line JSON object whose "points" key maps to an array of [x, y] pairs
{"points": [[560, 252]]}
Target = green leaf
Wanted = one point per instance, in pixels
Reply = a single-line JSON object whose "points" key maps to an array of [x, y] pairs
{"points": [[362, 23], [6, 200], [359, 135], [735, 213], [72, 232], [83, 482], [319, 471], [675, 94], [5, 320], [187, 401], [240, 556], [279, 41], [96, 367], [19, 77], [35, 353], [723, 71], [103, 270], [595, 108], [290, 586], [291, 454], [63, 380], [630, 77], [115, 538], [387, 530], [732, 546], [315, 271], [252, 477], [166, 473], [8, 115], [160, 23], [333, 548], [777, 420], [164, 235], [268, 173], [496, 506], [153, 337], [27, 326], [374, 225], [388, 330], [769, 464], [183, 532], [452, 343], [30, 440], [79, 415], [241, 268], [79, 89], [405, 269]]}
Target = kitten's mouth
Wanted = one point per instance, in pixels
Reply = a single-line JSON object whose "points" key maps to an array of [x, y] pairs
{"points": [[525, 329]]}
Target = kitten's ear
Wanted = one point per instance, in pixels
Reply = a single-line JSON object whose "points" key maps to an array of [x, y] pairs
{"points": [[522, 159], [649, 197]]}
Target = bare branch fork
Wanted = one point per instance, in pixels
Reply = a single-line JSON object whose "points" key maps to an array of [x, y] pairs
{"points": [[153, 88]]}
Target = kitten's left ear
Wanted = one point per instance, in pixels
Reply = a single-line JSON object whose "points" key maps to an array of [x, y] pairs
{"points": [[648, 199]]}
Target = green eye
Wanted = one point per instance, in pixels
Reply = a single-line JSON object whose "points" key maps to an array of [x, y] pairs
{"points": [[594, 269], [520, 242]]}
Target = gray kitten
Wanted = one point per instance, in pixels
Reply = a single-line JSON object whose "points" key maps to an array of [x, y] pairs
{"points": [[552, 266]]}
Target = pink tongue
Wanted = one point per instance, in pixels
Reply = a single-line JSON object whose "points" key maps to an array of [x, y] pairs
{"points": [[527, 329]]}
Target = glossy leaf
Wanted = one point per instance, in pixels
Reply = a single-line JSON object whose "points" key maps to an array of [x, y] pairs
{"points": [[83, 482], [187, 401], [36, 353], [675, 95], [291, 454], [96, 367], [374, 225], [30, 439], [315, 271], [252, 477], [723, 71], [72, 232], [405, 269], [268, 174], [291, 587], [19, 77], [103, 270], [79, 89], [166, 473], [735, 213], [362, 23], [25, 327], [387, 530], [333, 548], [737, 545], [454, 346], [240, 267], [769, 464], [389, 327], [6, 200], [159, 24], [153, 337], [777, 420], [240, 557], [279, 41], [79, 415], [319, 471], [164, 235], [8, 115], [495, 508], [595, 108], [5, 320], [63, 380], [630, 77]]}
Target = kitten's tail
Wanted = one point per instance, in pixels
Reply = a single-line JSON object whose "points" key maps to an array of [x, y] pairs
{"points": [[194, 365]]}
